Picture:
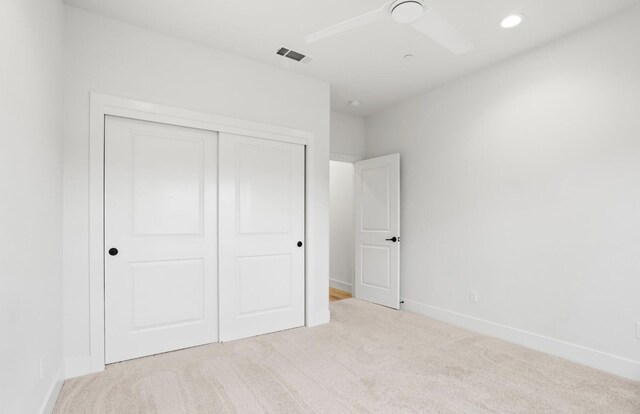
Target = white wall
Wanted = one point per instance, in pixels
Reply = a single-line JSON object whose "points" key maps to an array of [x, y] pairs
{"points": [[118, 59], [347, 134], [31, 205], [347, 144], [522, 182], [341, 201]]}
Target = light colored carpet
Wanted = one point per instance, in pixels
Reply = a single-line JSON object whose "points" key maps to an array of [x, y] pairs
{"points": [[368, 359]]}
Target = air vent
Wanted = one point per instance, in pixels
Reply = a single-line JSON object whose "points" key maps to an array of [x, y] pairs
{"points": [[293, 55]]}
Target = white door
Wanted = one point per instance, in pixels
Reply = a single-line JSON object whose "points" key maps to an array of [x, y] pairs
{"points": [[378, 230], [160, 215], [261, 276]]}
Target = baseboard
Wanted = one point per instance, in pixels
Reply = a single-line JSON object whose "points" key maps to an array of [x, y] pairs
{"points": [[319, 318], [77, 366], [577, 353], [338, 284], [52, 393]]}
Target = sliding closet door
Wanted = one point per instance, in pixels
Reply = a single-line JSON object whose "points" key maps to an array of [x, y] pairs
{"points": [[160, 238], [261, 200]]}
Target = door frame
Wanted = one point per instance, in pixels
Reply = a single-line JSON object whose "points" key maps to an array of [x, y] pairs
{"points": [[100, 106]]}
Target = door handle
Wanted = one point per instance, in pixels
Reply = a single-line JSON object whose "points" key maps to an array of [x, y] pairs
{"points": [[393, 239], [113, 251]]}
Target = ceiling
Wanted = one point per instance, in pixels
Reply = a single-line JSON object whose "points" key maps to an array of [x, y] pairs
{"points": [[365, 64]]}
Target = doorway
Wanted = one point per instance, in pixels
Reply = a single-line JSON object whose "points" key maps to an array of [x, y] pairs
{"points": [[365, 230], [342, 229]]}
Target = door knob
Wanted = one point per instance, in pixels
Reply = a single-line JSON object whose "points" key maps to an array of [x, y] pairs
{"points": [[299, 244], [393, 239], [113, 251]]}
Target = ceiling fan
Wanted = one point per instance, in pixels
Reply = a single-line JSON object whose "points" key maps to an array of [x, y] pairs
{"points": [[421, 17]]}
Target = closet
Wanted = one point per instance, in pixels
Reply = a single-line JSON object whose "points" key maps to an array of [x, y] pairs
{"points": [[203, 234]]}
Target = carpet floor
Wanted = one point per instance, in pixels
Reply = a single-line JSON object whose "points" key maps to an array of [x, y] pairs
{"points": [[368, 359]]}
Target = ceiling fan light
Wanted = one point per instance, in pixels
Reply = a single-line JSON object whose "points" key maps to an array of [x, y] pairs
{"points": [[406, 11], [511, 21]]}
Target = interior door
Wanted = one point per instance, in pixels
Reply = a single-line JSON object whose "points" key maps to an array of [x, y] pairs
{"points": [[160, 238], [377, 236], [261, 276]]}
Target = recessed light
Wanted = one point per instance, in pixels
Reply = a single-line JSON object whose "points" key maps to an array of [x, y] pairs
{"points": [[512, 21], [355, 104]]}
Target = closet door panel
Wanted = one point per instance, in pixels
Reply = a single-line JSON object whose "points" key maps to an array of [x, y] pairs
{"points": [[160, 238], [261, 236]]}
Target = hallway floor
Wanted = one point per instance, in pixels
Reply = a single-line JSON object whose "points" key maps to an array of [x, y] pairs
{"points": [[337, 294]]}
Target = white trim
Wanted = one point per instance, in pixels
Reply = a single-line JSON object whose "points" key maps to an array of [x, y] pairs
{"points": [[77, 366], [49, 401], [334, 156], [318, 318], [102, 105], [339, 284], [576, 353]]}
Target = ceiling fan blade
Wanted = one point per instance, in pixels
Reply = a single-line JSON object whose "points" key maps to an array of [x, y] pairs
{"points": [[439, 30], [364, 19]]}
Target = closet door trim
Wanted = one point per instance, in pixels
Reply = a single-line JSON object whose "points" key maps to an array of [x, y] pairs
{"points": [[100, 106]]}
